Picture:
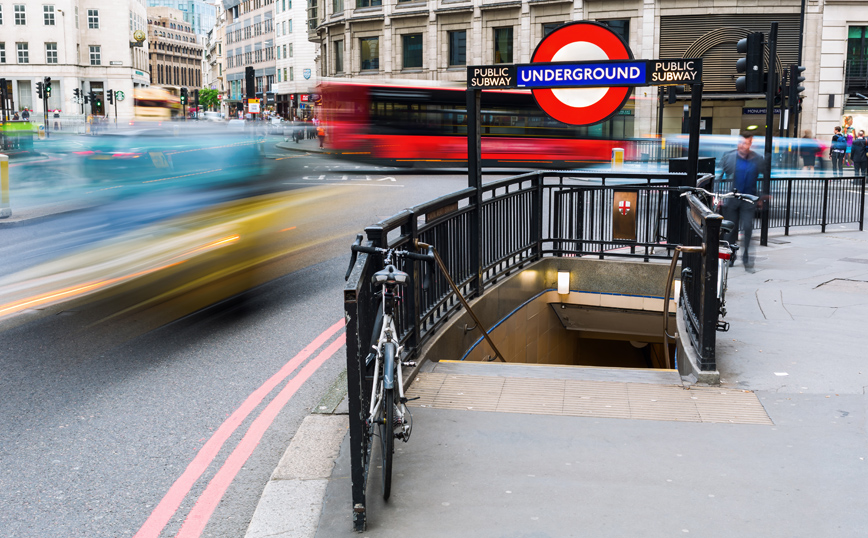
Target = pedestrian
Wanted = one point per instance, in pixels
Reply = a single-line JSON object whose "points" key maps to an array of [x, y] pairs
{"points": [[836, 152], [15, 117], [808, 151], [743, 167], [320, 133], [25, 115], [851, 135], [860, 158]]}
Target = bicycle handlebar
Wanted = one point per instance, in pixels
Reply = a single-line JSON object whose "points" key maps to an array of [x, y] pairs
{"points": [[358, 247], [734, 194]]}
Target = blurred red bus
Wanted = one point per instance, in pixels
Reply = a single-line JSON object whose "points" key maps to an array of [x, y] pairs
{"points": [[410, 125]]}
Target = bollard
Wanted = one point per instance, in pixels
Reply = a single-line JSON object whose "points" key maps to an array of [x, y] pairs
{"points": [[617, 158], [5, 210]]}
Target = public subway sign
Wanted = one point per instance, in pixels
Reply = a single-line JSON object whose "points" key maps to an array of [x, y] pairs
{"points": [[491, 76], [597, 74], [583, 73]]}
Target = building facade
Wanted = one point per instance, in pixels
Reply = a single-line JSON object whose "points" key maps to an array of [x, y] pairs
{"points": [[175, 55], [436, 40], [199, 14], [296, 59], [90, 45], [249, 43]]}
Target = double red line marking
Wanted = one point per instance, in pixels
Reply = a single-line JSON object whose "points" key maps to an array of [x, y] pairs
{"points": [[207, 502]]}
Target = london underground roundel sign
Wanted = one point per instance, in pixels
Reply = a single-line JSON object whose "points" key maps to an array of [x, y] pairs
{"points": [[580, 42]]}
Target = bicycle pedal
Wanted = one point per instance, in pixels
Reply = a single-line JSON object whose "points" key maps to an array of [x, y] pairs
{"points": [[723, 326], [405, 400]]}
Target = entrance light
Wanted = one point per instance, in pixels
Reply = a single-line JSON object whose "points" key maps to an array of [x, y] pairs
{"points": [[563, 282]]}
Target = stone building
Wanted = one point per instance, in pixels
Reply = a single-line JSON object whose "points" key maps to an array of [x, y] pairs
{"points": [[296, 59], [437, 39], [248, 42], [84, 44], [175, 55]]}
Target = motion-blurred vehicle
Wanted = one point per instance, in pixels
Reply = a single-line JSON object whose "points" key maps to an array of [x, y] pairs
{"points": [[420, 125], [786, 152], [167, 218], [155, 103]]}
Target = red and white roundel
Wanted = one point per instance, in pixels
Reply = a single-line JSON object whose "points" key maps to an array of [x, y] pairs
{"points": [[582, 41]]}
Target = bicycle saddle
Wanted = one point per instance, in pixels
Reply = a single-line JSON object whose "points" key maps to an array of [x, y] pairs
{"points": [[390, 276], [727, 226]]}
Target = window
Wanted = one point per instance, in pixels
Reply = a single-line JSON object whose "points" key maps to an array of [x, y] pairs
{"points": [[93, 18], [20, 15], [290, 26], [290, 50], [412, 50], [284, 74], [278, 54], [620, 27], [369, 3], [284, 52], [458, 47], [291, 77], [48, 15], [337, 6], [23, 53], [857, 57], [339, 56], [51, 53], [1, 15], [95, 55], [550, 27], [503, 45], [2, 53], [370, 52]]}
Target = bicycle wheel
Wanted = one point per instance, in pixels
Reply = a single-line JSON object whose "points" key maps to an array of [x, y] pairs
{"points": [[387, 436]]}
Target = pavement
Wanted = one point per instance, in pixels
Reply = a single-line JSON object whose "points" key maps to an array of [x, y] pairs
{"points": [[796, 348]]}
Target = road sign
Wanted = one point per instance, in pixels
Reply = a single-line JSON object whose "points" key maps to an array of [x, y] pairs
{"points": [[253, 106], [585, 41]]}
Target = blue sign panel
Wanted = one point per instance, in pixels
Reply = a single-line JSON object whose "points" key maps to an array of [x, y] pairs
{"points": [[576, 75]]}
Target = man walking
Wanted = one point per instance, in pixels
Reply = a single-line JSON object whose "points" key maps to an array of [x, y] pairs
{"points": [[860, 158], [836, 152], [743, 167]]}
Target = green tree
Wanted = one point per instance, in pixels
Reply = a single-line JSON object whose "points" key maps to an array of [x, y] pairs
{"points": [[208, 99]]}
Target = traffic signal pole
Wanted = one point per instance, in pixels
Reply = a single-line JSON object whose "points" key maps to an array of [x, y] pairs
{"points": [[770, 116]]}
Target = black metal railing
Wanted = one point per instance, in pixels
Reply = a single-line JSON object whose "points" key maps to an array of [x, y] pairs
{"points": [[856, 75], [811, 201], [699, 300], [521, 219]]}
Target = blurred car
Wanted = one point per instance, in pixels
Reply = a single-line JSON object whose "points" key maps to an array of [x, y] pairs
{"points": [[236, 125], [212, 116]]}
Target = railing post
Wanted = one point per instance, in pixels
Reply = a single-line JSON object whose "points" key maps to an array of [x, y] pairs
{"points": [[789, 206], [708, 336], [537, 217], [415, 298], [825, 204], [862, 180], [355, 391]]}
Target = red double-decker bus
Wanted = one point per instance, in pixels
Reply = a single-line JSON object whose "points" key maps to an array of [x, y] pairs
{"points": [[426, 125]]}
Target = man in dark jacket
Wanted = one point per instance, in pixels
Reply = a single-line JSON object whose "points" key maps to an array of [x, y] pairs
{"points": [[860, 158], [836, 152], [743, 167]]}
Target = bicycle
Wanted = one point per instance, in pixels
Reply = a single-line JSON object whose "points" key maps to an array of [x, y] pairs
{"points": [[387, 411], [727, 252]]}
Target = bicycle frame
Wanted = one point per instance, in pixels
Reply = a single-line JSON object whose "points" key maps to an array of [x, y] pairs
{"points": [[390, 362]]}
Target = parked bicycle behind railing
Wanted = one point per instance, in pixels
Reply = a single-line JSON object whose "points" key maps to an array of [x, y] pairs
{"points": [[387, 411], [727, 246], [743, 167]]}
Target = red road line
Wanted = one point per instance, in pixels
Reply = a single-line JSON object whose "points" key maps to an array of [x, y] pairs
{"points": [[164, 511], [210, 498]]}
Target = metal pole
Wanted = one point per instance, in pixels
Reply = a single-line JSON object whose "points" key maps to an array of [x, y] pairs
{"points": [[770, 102], [661, 99], [474, 180], [692, 152]]}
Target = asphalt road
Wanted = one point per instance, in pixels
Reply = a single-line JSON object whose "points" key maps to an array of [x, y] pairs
{"points": [[103, 413]]}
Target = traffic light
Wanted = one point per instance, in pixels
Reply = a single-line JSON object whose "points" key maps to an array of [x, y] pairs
{"points": [[76, 93], [92, 99], [796, 79], [183, 96], [39, 90], [47, 87], [110, 97], [250, 82], [751, 65]]}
